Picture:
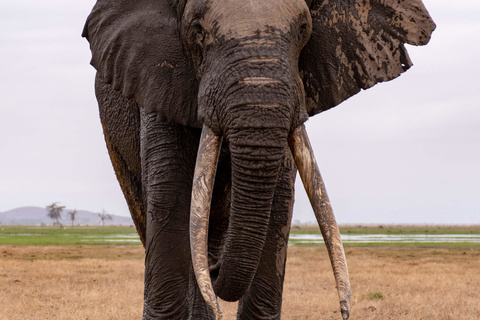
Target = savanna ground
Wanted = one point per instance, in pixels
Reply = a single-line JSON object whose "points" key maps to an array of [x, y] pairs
{"points": [[106, 282]]}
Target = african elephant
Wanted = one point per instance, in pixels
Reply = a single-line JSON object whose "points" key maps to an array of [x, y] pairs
{"points": [[202, 104]]}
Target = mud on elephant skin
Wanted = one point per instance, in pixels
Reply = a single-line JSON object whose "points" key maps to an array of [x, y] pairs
{"points": [[203, 102]]}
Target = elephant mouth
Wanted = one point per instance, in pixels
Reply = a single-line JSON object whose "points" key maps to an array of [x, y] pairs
{"points": [[204, 177]]}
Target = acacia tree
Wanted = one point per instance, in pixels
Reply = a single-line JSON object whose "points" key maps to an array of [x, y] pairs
{"points": [[72, 215], [104, 216], [55, 212]]}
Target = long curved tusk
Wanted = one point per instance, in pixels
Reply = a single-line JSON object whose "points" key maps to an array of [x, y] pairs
{"points": [[315, 188], [202, 189]]}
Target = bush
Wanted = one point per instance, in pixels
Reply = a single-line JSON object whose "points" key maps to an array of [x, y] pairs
{"points": [[374, 295]]}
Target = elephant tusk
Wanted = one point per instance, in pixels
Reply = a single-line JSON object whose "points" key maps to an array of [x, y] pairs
{"points": [[203, 180], [315, 188]]}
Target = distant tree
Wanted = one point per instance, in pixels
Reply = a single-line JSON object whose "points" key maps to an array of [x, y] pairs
{"points": [[72, 215], [104, 216], [55, 212]]}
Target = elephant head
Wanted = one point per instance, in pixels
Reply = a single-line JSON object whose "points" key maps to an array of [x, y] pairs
{"points": [[250, 73]]}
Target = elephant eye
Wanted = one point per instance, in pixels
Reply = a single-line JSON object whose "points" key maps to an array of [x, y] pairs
{"points": [[197, 32], [201, 36], [304, 32], [196, 36], [303, 29]]}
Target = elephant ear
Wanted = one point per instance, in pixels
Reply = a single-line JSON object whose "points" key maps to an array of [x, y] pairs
{"points": [[136, 48], [356, 44]]}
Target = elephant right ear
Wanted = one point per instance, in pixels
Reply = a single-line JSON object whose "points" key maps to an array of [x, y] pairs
{"points": [[356, 44], [136, 48]]}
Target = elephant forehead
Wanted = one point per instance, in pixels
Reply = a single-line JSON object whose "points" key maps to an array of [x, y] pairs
{"points": [[242, 18]]}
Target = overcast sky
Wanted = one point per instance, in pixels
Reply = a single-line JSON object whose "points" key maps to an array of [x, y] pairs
{"points": [[407, 151]]}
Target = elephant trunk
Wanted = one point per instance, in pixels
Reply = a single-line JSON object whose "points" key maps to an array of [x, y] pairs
{"points": [[255, 107], [255, 169]]}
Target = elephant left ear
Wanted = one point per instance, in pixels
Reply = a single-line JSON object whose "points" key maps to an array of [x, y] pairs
{"points": [[356, 44]]}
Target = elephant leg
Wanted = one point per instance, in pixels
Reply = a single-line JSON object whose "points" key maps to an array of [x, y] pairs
{"points": [[264, 298], [168, 154], [199, 309]]}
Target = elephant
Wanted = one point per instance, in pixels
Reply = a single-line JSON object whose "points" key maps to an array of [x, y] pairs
{"points": [[203, 105]]}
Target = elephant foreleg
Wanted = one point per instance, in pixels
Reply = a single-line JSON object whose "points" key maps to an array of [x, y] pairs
{"points": [[264, 298], [168, 154]]}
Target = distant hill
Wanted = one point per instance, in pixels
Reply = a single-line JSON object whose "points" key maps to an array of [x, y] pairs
{"points": [[37, 216]]}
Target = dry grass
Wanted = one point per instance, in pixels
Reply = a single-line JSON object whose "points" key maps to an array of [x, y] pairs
{"points": [[71, 283], [415, 284], [107, 283]]}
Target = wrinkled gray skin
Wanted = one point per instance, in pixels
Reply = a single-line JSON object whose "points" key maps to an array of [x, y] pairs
{"points": [[166, 68]]}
